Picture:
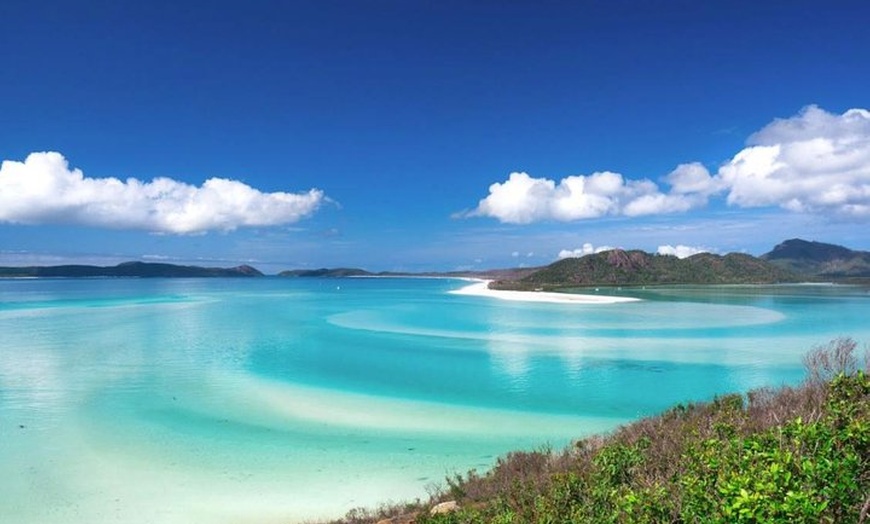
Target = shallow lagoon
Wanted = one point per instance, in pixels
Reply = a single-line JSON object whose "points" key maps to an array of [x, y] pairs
{"points": [[276, 400]]}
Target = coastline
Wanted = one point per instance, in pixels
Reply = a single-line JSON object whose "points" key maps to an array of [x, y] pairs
{"points": [[480, 288]]}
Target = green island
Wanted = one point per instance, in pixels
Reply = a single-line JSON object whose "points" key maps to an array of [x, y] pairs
{"points": [[796, 454], [792, 261], [128, 270]]}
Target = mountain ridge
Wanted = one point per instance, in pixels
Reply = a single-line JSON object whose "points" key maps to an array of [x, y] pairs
{"points": [[618, 267], [792, 260], [820, 259]]}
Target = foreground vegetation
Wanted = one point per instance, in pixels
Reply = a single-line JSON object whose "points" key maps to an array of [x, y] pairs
{"points": [[790, 455]]}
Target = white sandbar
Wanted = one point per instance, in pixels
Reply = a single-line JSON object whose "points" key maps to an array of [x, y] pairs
{"points": [[481, 288]]}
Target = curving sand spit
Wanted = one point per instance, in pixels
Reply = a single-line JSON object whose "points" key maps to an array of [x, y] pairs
{"points": [[481, 288]]}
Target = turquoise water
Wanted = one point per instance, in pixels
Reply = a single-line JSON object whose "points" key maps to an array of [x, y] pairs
{"points": [[279, 400]]}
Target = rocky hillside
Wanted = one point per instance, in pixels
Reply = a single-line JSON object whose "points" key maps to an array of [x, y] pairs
{"points": [[819, 259], [632, 268]]}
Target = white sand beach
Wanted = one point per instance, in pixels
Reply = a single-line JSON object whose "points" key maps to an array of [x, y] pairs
{"points": [[481, 288]]}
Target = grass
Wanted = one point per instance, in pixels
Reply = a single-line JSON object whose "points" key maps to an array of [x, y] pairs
{"points": [[795, 454]]}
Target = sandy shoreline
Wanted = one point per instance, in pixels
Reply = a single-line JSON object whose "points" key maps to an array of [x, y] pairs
{"points": [[481, 288]]}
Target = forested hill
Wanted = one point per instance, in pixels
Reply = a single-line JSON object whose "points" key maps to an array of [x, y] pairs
{"points": [[631, 268], [129, 269], [820, 259]]}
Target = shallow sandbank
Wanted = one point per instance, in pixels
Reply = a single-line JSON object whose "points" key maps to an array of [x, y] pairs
{"points": [[481, 288]]}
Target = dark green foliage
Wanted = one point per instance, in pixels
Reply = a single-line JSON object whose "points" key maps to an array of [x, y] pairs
{"points": [[634, 268], [820, 259], [798, 472], [797, 455]]}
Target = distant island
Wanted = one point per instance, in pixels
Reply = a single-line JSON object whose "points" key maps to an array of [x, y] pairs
{"points": [[338, 272], [637, 268], [794, 260], [343, 272], [824, 261], [128, 269], [791, 261]]}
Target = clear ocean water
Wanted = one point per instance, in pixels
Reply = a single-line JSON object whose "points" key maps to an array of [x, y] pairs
{"points": [[280, 400]]}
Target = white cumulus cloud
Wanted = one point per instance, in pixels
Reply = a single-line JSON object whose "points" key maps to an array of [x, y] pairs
{"points": [[587, 249], [681, 251], [813, 162], [522, 199], [43, 189], [692, 178]]}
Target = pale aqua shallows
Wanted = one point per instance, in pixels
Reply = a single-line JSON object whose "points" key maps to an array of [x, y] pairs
{"points": [[279, 400]]}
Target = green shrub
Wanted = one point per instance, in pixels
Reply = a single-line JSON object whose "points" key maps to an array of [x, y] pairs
{"points": [[797, 455]]}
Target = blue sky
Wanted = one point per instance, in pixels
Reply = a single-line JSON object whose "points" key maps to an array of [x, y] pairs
{"points": [[373, 133]]}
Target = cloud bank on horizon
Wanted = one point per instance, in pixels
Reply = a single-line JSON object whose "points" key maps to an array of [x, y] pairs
{"points": [[813, 162], [44, 190], [679, 251], [585, 249]]}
